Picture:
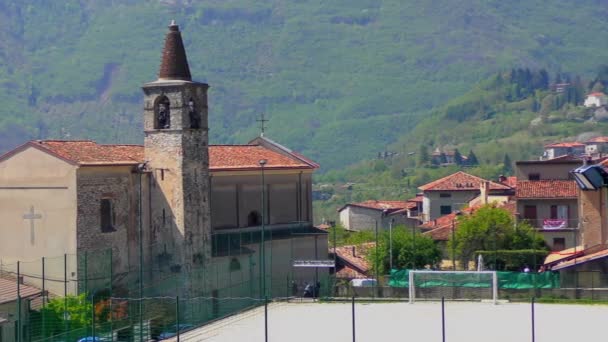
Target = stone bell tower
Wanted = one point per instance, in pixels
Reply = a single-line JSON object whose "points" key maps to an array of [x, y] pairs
{"points": [[176, 151]]}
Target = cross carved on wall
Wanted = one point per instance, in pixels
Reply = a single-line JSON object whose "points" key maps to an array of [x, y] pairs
{"points": [[31, 215]]}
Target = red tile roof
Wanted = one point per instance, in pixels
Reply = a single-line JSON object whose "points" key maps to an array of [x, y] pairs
{"points": [[247, 157], [597, 94], [87, 152], [441, 227], [583, 259], [460, 181], [379, 205], [8, 290], [598, 140], [357, 261], [221, 157], [546, 189], [511, 182], [565, 144]]}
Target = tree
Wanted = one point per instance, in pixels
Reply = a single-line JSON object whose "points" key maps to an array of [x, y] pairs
{"points": [[78, 313], [507, 167], [472, 159], [409, 251], [598, 87], [491, 228], [457, 157], [423, 156]]}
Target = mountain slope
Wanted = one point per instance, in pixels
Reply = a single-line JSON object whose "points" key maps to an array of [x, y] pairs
{"points": [[339, 79]]}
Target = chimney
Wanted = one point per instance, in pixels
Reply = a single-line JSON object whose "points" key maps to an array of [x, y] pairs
{"points": [[484, 189]]}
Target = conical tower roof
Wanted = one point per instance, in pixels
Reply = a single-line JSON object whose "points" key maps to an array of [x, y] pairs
{"points": [[174, 64]]}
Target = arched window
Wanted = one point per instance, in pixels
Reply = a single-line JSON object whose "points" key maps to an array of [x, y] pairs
{"points": [[163, 113], [195, 116], [254, 219]]}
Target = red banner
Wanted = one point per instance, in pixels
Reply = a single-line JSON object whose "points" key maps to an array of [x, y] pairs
{"points": [[554, 224]]}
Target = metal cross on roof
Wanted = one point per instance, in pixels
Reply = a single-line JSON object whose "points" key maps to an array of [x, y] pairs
{"points": [[262, 122]]}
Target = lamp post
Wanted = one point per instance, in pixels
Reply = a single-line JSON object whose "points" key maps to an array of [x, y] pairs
{"points": [[390, 243], [262, 163], [453, 248]]}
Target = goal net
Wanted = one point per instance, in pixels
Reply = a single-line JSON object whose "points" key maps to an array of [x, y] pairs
{"points": [[453, 285]]}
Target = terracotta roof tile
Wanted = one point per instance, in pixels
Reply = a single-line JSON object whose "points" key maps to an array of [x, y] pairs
{"points": [[379, 205], [358, 260], [546, 189], [460, 181], [87, 152], [221, 157], [581, 260], [8, 290], [598, 140], [565, 144], [247, 157]]}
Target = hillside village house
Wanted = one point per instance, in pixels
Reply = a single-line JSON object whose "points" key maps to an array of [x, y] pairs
{"points": [[547, 198], [596, 146], [563, 149], [595, 100], [10, 300], [453, 192], [186, 202], [439, 157], [366, 215]]}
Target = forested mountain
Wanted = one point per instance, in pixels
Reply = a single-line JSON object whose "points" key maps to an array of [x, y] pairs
{"points": [[340, 80]]}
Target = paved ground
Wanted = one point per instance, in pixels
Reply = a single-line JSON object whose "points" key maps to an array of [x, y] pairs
{"points": [[465, 322]]}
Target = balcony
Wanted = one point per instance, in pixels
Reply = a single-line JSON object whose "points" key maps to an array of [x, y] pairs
{"points": [[551, 224]]}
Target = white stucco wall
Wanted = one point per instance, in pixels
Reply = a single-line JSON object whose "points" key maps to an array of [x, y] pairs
{"points": [[32, 178]]}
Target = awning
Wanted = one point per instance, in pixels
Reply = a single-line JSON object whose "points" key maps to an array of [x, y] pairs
{"points": [[556, 257]]}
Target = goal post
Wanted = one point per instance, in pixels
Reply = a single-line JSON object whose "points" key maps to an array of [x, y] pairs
{"points": [[460, 285]]}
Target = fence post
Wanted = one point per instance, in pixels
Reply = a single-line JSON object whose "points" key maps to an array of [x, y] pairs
{"points": [[443, 319], [65, 293], [18, 302], [266, 318], [533, 327], [353, 317], [43, 302], [176, 316]]}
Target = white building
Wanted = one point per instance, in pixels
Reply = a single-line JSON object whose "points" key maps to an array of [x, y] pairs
{"points": [[595, 100]]}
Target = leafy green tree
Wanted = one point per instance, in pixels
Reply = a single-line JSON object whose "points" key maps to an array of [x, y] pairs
{"points": [[78, 314], [412, 251], [457, 157], [491, 228], [423, 156], [472, 159], [507, 166], [598, 87]]}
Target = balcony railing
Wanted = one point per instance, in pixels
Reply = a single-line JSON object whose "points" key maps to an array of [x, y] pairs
{"points": [[552, 224]]}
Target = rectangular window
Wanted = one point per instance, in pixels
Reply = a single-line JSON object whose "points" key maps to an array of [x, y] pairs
{"points": [[534, 176], [445, 209], [107, 215], [445, 195], [559, 244]]}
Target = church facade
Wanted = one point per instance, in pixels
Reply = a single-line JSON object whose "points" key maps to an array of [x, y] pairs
{"points": [[174, 205]]}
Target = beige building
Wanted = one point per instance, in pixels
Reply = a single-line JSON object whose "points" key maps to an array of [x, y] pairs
{"points": [[454, 192], [184, 204]]}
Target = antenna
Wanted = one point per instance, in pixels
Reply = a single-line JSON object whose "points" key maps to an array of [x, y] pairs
{"points": [[262, 122]]}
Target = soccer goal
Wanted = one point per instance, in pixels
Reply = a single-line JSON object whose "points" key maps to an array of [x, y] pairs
{"points": [[453, 285]]}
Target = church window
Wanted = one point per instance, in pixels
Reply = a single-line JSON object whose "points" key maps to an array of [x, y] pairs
{"points": [[107, 216], [163, 113], [195, 116], [162, 174], [254, 219]]}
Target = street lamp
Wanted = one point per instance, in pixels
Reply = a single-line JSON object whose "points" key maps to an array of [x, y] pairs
{"points": [[390, 243], [262, 163]]}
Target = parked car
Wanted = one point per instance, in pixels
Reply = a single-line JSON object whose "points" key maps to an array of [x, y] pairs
{"points": [[363, 282]]}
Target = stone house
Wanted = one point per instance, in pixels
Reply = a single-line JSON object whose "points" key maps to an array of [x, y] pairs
{"points": [[597, 146], [366, 215], [551, 206], [176, 199], [454, 192], [563, 149]]}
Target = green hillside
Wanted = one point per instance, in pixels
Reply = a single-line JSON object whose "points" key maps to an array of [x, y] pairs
{"points": [[507, 117], [339, 79]]}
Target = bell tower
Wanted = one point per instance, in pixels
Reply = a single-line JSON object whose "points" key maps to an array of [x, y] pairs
{"points": [[177, 155]]}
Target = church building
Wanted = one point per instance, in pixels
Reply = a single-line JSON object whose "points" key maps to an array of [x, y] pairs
{"points": [[175, 205]]}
